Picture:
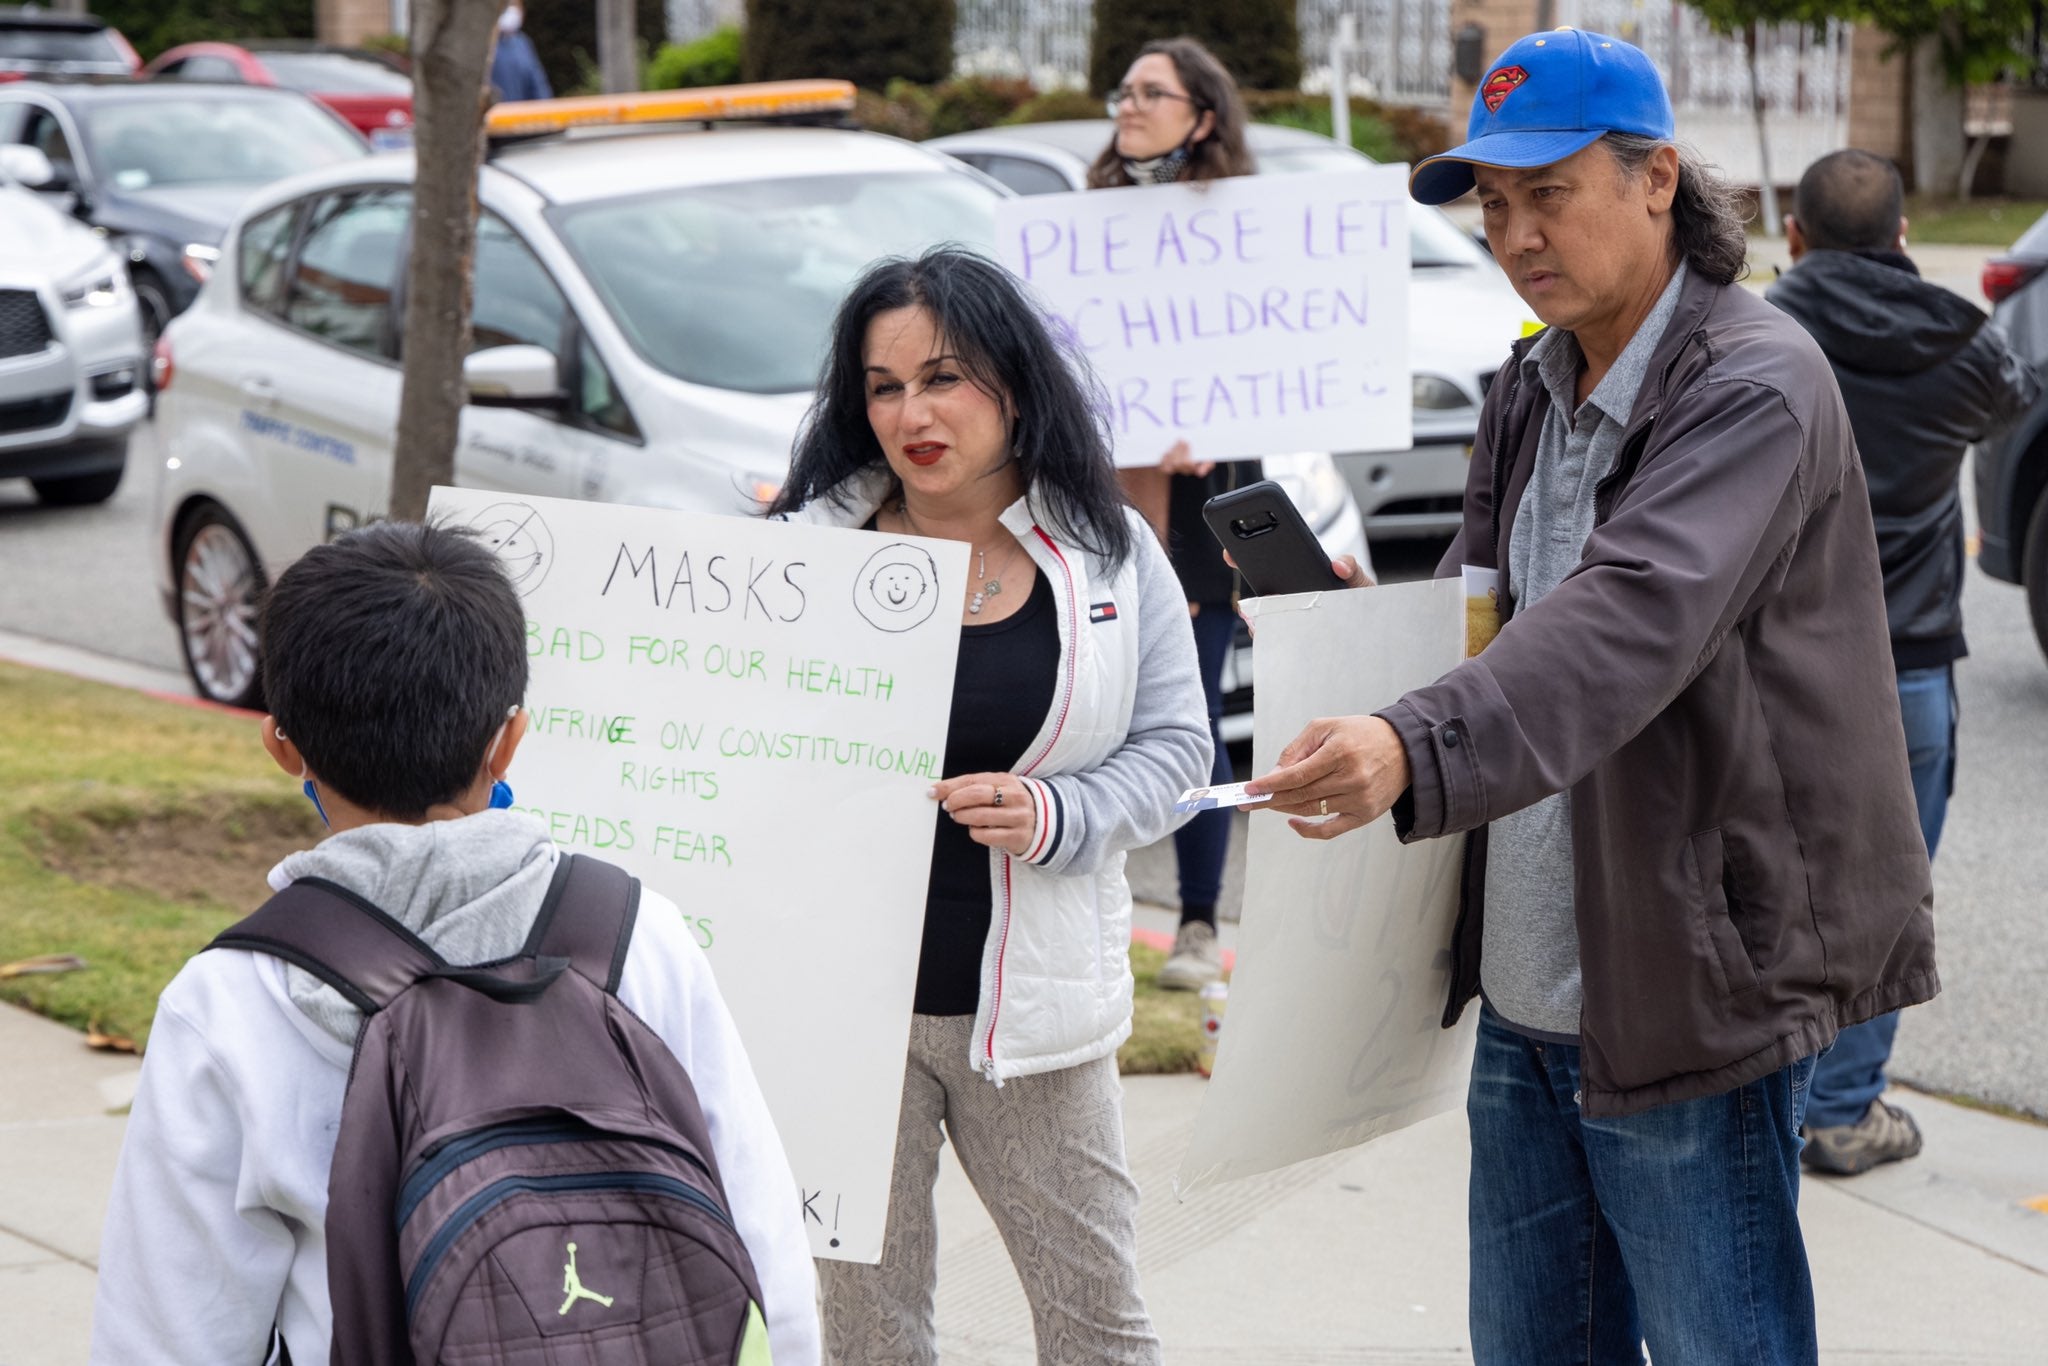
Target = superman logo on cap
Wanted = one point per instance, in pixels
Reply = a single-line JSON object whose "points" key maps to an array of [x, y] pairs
{"points": [[1499, 85]]}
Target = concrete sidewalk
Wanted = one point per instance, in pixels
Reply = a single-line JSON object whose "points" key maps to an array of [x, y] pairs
{"points": [[1357, 1257]]}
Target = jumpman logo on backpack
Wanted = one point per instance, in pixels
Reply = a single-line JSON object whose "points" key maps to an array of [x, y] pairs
{"points": [[572, 1286]]}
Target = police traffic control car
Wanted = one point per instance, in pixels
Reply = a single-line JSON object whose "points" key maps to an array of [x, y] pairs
{"points": [[651, 307]]}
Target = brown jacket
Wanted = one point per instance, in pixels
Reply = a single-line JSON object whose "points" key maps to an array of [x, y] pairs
{"points": [[1714, 685]]}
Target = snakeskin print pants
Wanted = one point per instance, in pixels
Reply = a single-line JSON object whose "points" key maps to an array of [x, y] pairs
{"points": [[1046, 1155]]}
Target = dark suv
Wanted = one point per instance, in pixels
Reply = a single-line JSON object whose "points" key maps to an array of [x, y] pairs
{"points": [[161, 167], [2012, 468], [34, 42]]}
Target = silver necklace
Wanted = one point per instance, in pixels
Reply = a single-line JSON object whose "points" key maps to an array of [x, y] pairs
{"points": [[989, 586]]}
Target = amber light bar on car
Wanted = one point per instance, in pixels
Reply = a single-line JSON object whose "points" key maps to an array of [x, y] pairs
{"points": [[716, 103]]}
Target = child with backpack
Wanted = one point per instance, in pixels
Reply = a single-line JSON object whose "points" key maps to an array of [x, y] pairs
{"points": [[452, 1093]]}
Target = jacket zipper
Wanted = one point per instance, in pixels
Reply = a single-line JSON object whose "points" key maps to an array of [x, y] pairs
{"points": [[995, 1010], [522, 1133], [498, 1192]]}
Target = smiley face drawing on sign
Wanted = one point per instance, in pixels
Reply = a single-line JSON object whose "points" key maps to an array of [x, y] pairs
{"points": [[898, 588], [515, 533]]}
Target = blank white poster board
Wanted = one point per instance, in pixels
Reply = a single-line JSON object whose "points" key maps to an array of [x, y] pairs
{"points": [[1257, 315], [747, 716], [1332, 1036]]}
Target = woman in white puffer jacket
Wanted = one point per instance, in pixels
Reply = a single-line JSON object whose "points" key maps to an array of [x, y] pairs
{"points": [[947, 409]]}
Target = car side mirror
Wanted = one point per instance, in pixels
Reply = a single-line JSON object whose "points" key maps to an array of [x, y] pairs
{"points": [[514, 377], [31, 169]]}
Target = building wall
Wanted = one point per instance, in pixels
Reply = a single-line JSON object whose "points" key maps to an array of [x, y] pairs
{"points": [[1877, 97], [351, 21], [1504, 22], [2026, 154]]}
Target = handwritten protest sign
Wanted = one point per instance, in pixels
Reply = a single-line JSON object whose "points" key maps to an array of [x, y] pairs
{"points": [[1251, 316], [747, 715], [1343, 966]]}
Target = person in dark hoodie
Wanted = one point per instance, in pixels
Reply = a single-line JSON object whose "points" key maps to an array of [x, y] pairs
{"points": [[1922, 378]]}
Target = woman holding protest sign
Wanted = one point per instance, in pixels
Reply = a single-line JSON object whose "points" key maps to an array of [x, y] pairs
{"points": [[947, 409], [1179, 118]]}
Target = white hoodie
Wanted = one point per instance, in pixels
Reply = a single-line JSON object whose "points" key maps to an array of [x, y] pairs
{"points": [[216, 1224]]}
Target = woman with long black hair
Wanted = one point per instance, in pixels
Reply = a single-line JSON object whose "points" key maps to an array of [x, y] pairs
{"points": [[947, 409]]}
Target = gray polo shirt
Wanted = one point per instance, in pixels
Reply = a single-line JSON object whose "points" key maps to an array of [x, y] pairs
{"points": [[1529, 955]]}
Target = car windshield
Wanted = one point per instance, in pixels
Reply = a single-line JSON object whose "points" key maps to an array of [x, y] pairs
{"points": [[333, 73], [213, 138], [1433, 240], [735, 285], [59, 47]]}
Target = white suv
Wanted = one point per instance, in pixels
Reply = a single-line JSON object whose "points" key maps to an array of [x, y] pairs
{"points": [[70, 348]]}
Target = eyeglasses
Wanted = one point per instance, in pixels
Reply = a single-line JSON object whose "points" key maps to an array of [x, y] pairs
{"points": [[1144, 97]]}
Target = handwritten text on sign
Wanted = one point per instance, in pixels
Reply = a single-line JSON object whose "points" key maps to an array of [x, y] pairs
{"points": [[747, 715], [1251, 316]]}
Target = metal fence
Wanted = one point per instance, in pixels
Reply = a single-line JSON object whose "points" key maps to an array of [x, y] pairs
{"points": [[1046, 40], [688, 19], [1803, 75], [1403, 52]]}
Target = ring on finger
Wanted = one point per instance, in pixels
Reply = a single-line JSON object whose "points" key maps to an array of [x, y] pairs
{"points": [[1323, 807], [999, 796]]}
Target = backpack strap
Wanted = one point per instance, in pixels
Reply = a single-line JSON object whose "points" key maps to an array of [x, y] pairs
{"points": [[340, 938], [587, 918]]}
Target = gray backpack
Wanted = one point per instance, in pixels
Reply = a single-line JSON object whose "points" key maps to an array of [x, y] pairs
{"points": [[523, 1174]]}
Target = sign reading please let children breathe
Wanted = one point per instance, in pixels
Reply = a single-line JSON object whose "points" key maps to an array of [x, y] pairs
{"points": [[748, 716], [1256, 315]]}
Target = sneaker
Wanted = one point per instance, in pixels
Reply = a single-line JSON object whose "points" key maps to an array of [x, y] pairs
{"points": [[1196, 960], [1884, 1134]]}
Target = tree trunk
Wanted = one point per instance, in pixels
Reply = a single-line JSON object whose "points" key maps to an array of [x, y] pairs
{"points": [[1968, 177], [451, 53], [1937, 121], [617, 60], [1767, 188]]}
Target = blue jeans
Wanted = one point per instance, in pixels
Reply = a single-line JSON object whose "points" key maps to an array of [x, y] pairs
{"points": [[1851, 1074], [1678, 1226], [1201, 845]]}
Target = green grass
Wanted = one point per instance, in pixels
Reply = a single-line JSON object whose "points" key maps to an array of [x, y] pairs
{"points": [[1980, 222], [102, 783], [132, 830], [1166, 1026], [1936, 220]]}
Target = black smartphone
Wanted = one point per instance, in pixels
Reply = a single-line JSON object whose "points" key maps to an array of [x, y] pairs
{"points": [[1273, 547]]}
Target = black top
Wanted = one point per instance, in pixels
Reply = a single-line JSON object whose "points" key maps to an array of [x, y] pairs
{"points": [[1190, 545], [1922, 378], [1002, 690]]}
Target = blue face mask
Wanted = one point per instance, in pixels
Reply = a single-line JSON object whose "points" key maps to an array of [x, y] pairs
{"points": [[501, 795], [313, 796]]}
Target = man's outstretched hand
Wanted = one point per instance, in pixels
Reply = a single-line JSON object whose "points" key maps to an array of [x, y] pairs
{"points": [[1340, 773]]}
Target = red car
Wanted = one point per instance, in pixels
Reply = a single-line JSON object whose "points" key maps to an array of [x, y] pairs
{"points": [[363, 87]]}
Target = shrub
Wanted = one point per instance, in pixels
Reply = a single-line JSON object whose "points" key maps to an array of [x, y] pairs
{"points": [[713, 59], [1055, 106], [1258, 40], [971, 102], [1381, 132], [853, 40], [153, 27], [564, 34], [904, 111]]}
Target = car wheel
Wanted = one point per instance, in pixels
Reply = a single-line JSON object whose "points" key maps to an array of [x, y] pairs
{"points": [[220, 585], [2034, 572], [79, 489], [154, 303]]}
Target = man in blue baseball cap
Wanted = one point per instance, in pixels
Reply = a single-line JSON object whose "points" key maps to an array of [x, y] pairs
{"points": [[1693, 855]]}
